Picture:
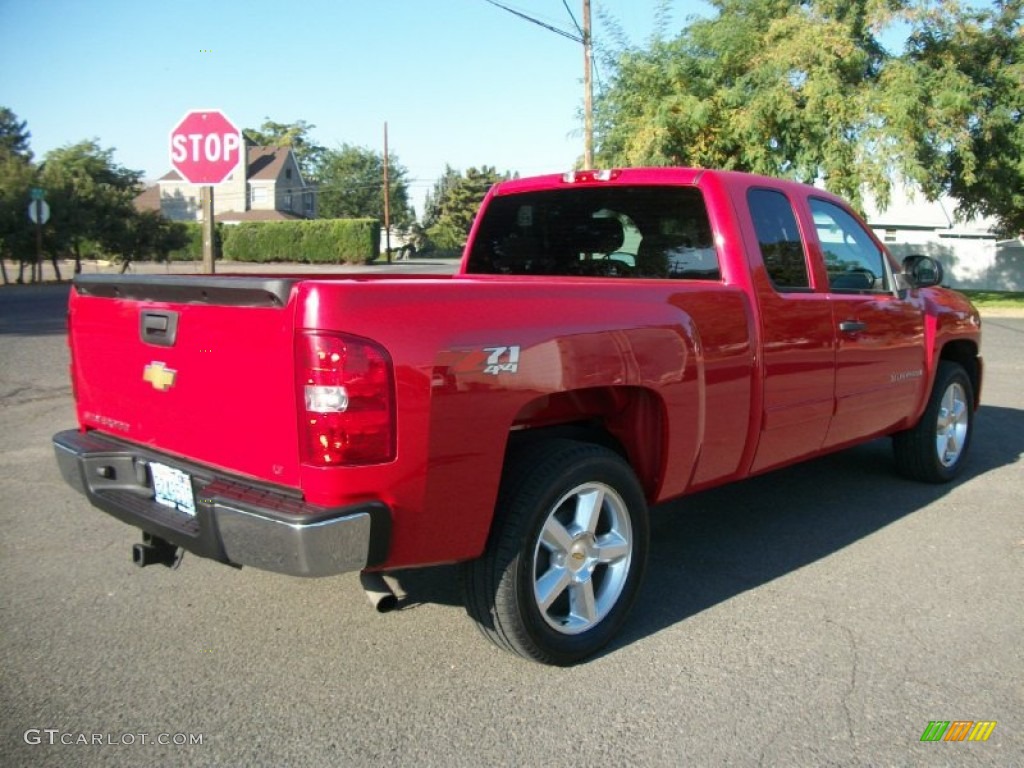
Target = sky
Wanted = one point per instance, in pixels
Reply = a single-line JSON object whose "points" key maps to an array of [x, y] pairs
{"points": [[459, 82]]}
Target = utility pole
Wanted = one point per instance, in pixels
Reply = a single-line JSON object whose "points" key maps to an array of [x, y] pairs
{"points": [[387, 198], [206, 201], [588, 91]]}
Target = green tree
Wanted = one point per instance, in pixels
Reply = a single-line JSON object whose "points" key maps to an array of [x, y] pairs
{"points": [[14, 135], [961, 84], [148, 235], [352, 186], [17, 175], [804, 89], [779, 87], [90, 198], [454, 203], [308, 153], [442, 187]]}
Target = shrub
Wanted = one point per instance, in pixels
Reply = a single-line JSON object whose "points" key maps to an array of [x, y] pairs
{"points": [[321, 241]]}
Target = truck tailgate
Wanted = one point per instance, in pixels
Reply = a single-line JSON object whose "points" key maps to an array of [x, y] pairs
{"points": [[200, 367]]}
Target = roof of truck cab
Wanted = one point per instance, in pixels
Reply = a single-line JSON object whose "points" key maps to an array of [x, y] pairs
{"points": [[645, 176], [585, 178]]}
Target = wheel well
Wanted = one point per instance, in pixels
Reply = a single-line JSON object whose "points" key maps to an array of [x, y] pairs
{"points": [[627, 420], [965, 353]]}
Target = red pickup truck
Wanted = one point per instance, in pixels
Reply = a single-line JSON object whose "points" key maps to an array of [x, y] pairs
{"points": [[611, 340]]}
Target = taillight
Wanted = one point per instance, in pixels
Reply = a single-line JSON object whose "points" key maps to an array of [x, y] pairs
{"points": [[346, 400]]}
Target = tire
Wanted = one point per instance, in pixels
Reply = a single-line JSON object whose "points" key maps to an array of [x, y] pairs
{"points": [[934, 450], [567, 553]]}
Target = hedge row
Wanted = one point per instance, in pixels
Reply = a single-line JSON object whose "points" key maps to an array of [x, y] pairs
{"points": [[320, 241]]}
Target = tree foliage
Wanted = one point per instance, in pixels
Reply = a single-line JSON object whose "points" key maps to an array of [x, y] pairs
{"points": [[308, 153], [148, 235], [17, 175], [962, 107], [90, 198], [14, 135], [352, 186], [454, 201], [805, 89]]}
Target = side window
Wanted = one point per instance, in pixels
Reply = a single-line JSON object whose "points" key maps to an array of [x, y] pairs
{"points": [[778, 237], [852, 259]]}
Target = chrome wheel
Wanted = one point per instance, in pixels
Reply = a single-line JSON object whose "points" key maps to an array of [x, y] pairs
{"points": [[582, 557], [935, 448], [952, 426], [567, 553]]}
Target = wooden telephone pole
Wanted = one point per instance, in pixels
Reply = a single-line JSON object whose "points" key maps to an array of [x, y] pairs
{"points": [[588, 91], [387, 199]]}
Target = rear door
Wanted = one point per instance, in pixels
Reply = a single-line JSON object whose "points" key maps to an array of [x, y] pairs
{"points": [[797, 336]]}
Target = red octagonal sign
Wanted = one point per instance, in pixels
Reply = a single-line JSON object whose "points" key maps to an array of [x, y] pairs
{"points": [[206, 147]]}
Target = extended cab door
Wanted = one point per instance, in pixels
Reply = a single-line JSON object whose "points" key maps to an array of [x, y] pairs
{"points": [[880, 355]]}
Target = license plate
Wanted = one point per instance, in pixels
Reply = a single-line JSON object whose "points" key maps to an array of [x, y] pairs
{"points": [[173, 488]]}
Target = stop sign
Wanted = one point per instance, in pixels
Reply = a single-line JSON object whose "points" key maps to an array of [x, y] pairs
{"points": [[206, 147]]}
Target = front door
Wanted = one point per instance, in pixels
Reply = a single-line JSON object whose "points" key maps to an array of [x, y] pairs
{"points": [[880, 362]]}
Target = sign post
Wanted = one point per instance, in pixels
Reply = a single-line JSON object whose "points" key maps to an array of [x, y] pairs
{"points": [[39, 214], [206, 148]]}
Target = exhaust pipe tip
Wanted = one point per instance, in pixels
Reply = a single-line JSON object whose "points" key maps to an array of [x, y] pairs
{"points": [[378, 592]]}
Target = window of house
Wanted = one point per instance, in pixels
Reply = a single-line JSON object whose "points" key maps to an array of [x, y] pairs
{"points": [[287, 202], [853, 260], [778, 237], [287, 173], [307, 202], [257, 195]]}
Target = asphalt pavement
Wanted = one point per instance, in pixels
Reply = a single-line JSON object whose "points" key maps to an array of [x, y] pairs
{"points": [[823, 614]]}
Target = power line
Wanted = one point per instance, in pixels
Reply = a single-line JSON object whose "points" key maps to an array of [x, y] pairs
{"points": [[573, 17], [538, 22]]}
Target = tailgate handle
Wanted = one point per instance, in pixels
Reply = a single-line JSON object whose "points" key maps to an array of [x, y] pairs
{"points": [[159, 327]]}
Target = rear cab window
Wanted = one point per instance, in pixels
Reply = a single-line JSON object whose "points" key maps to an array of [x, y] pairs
{"points": [[608, 231], [779, 240]]}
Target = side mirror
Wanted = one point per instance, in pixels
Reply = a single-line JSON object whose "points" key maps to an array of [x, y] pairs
{"points": [[923, 271]]}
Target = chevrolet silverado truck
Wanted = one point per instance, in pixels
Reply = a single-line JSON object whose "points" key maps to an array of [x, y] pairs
{"points": [[611, 340]]}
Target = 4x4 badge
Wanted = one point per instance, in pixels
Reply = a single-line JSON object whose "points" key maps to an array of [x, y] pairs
{"points": [[159, 375]]}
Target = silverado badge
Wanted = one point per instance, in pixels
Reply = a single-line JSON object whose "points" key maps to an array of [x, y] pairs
{"points": [[159, 375]]}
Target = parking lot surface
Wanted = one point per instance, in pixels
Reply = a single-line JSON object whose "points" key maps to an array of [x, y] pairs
{"points": [[823, 614]]}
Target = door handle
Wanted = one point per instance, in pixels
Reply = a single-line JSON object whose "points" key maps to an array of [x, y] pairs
{"points": [[158, 327], [852, 326]]}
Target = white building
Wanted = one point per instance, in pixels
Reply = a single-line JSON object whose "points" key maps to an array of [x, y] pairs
{"points": [[970, 252]]}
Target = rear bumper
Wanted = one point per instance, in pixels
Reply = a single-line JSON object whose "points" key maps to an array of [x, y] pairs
{"points": [[237, 523]]}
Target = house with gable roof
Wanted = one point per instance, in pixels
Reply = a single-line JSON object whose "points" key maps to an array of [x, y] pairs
{"points": [[269, 187]]}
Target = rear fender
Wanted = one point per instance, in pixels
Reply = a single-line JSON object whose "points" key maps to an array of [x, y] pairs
{"points": [[617, 388]]}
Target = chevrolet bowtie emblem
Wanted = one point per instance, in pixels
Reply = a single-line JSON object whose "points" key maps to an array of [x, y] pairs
{"points": [[159, 375]]}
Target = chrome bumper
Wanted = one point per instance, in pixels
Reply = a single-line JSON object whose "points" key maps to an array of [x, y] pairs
{"points": [[235, 522]]}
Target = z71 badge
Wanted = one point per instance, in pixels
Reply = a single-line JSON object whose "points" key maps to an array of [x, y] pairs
{"points": [[502, 360], [489, 361]]}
